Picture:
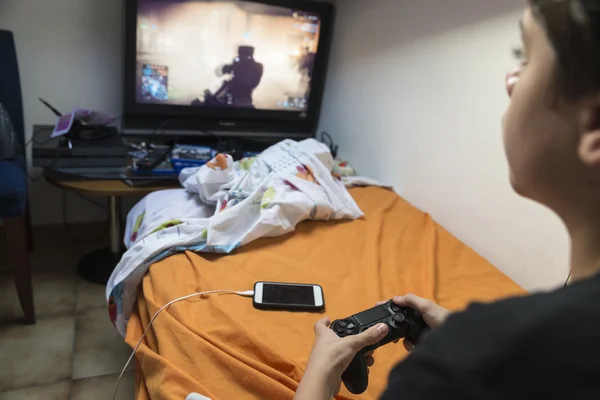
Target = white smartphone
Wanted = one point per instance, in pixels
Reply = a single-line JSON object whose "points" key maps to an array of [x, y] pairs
{"points": [[288, 296]]}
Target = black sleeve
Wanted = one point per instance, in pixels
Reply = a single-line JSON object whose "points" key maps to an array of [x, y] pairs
{"points": [[530, 347], [422, 377]]}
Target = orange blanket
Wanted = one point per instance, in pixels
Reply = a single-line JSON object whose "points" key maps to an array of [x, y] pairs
{"points": [[223, 348]]}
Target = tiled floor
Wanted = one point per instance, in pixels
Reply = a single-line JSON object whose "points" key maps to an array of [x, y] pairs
{"points": [[73, 352]]}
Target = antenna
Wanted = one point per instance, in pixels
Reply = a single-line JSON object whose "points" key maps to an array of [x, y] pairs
{"points": [[54, 110]]}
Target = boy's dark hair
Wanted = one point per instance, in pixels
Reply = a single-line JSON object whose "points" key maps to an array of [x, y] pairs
{"points": [[573, 27]]}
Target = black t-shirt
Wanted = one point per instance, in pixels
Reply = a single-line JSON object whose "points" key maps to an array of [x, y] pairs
{"points": [[544, 346]]}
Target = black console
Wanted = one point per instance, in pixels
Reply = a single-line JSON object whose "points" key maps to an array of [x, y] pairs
{"points": [[104, 152], [402, 322]]}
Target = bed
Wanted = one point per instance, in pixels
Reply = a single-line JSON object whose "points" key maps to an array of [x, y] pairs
{"points": [[223, 348]]}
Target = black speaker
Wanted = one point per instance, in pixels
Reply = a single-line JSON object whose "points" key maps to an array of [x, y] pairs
{"points": [[10, 84]]}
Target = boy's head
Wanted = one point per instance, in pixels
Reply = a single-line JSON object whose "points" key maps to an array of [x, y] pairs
{"points": [[552, 127]]}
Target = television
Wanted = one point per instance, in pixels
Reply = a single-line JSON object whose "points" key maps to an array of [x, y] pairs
{"points": [[236, 67]]}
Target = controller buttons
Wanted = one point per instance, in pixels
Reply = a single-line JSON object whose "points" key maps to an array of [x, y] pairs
{"points": [[395, 308], [349, 332], [351, 326], [339, 329], [343, 324], [399, 318]]}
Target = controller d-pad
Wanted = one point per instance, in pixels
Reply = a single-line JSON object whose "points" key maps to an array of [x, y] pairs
{"points": [[349, 332], [351, 326], [343, 324], [340, 328]]}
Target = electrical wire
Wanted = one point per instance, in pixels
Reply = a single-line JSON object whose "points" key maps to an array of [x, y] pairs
{"points": [[32, 140], [68, 227], [24, 150], [92, 201], [161, 125], [328, 141], [163, 157], [50, 166], [248, 293], [568, 278], [326, 137]]}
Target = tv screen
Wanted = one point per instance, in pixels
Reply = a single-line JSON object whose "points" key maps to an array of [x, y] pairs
{"points": [[229, 58], [225, 54]]}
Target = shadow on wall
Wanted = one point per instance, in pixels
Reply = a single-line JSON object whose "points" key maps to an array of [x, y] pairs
{"points": [[411, 20]]}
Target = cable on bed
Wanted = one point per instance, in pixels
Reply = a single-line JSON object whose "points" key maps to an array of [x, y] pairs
{"points": [[248, 293]]}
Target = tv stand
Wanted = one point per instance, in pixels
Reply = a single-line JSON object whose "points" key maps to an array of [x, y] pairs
{"points": [[235, 146]]}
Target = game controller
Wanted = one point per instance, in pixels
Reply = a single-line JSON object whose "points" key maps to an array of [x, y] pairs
{"points": [[402, 322]]}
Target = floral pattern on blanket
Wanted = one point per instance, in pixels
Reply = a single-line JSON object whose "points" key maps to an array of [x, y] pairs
{"points": [[225, 205]]}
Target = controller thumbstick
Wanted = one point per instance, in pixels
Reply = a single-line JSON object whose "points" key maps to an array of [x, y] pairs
{"points": [[399, 318]]}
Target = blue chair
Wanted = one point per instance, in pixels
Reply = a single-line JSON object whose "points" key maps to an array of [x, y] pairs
{"points": [[14, 206]]}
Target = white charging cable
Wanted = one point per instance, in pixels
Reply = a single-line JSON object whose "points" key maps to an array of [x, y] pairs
{"points": [[248, 293]]}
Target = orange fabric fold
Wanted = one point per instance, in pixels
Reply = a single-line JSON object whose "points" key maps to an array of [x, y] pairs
{"points": [[223, 348]]}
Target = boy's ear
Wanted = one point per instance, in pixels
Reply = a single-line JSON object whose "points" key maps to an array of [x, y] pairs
{"points": [[589, 143]]}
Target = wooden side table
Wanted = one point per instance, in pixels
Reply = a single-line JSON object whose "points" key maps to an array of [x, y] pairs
{"points": [[98, 265]]}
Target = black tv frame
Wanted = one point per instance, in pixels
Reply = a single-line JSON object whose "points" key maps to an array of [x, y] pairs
{"points": [[145, 119]]}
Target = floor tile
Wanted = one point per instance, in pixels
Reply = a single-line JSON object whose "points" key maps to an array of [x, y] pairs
{"points": [[90, 295], [53, 295], [102, 387], [57, 391], [33, 355], [99, 349]]}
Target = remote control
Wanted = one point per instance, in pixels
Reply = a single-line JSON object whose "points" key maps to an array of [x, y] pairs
{"points": [[402, 322]]}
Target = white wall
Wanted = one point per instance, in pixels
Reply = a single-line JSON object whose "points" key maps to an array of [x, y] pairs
{"points": [[415, 98], [70, 53]]}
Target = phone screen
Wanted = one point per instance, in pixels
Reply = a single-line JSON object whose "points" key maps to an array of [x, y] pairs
{"points": [[287, 294]]}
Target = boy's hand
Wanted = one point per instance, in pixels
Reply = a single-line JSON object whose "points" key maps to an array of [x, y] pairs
{"points": [[331, 356], [433, 314]]}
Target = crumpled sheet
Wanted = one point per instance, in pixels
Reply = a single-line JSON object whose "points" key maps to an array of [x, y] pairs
{"points": [[225, 205]]}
